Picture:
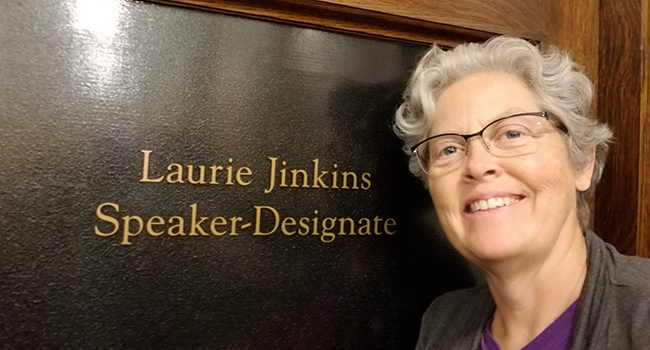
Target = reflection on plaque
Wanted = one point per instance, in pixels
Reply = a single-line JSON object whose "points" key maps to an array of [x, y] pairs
{"points": [[179, 179]]}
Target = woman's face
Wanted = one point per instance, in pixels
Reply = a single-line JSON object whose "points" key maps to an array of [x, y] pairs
{"points": [[537, 190]]}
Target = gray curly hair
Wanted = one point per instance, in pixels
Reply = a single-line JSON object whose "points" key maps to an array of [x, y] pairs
{"points": [[555, 80]]}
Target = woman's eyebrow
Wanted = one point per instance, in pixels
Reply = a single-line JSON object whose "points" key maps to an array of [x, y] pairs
{"points": [[508, 112]]}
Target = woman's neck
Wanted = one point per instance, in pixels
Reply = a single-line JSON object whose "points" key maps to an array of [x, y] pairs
{"points": [[530, 295]]}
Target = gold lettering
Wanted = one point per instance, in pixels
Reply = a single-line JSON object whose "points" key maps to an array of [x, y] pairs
{"points": [[283, 175], [318, 178], [194, 226], [104, 217], [127, 228], [377, 220], [244, 171], [178, 226], [390, 222], [145, 169], [196, 174], [271, 175], [288, 221], [150, 223], [178, 174], [335, 177], [365, 178], [345, 180], [258, 220], [229, 171], [294, 178], [304, 223], [190, 177], [315, 220], [342, 222], [233, 224], [221, 222], [214, 170], [328, 236], [365, 226]]}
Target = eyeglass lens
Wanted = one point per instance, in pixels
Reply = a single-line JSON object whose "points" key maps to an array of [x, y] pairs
{"points": [[506, 137]]}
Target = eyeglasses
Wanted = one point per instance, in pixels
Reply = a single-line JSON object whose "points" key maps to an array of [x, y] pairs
{"points": [[510, 136]]}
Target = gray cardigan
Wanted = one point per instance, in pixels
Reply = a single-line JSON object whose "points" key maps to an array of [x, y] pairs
{"points": [[613, 310]]}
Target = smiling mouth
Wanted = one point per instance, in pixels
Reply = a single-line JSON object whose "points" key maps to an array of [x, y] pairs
{"points": [[491, 203]]}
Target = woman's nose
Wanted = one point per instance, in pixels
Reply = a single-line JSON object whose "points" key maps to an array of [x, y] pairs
{"points": [[479, 162]]}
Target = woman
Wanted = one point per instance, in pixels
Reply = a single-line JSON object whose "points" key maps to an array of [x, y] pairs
{"points": [[500, 134]]}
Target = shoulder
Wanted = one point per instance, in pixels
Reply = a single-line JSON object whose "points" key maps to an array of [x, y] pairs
{"points": [[632, 273], [465, 299], [629, 271], [456, 319], [622, 270], [629, 279], [624, 289]]}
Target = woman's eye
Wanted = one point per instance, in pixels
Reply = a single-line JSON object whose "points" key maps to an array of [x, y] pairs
{"points": [[512, 134], [448, 151]]}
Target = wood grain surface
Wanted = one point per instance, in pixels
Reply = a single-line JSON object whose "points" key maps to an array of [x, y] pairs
{"points": [[643, 239], [522, 18], [619, 90], [344, 18], [573, 27]]}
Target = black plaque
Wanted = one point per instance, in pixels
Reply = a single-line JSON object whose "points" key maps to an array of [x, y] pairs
{"points": [[111, 111]]}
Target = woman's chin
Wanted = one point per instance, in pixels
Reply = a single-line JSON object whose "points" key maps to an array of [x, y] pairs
{"points": [[493, 251]]}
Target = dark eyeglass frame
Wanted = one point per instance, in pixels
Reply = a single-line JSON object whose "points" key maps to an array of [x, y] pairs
{"points": [[544, 115]]}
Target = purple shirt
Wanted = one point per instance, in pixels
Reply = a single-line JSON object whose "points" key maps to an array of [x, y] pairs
{"points": [[556, 336]]}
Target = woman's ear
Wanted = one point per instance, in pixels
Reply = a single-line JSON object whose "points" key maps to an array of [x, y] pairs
{"points": [[583, 176]]}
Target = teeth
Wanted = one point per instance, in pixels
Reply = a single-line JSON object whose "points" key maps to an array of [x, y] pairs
{"points": [[492, 203]]}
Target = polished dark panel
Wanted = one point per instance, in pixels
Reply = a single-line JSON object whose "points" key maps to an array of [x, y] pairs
{"points": [[86, 85]]}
